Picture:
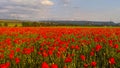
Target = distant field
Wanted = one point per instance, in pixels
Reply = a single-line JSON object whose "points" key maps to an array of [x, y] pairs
{"points": [[11, 23], [18, 23]]}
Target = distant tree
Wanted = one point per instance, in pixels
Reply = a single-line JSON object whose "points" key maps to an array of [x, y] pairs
{"points": [[15, 25], [0, 25], [26, 24], [6, 24], [35, 24]]}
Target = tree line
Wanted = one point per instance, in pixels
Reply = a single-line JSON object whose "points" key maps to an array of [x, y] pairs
{"points": [[42, 23], [38, 24]]}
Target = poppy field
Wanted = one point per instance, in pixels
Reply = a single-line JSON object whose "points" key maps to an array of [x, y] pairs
{"points": [[59, 47]]}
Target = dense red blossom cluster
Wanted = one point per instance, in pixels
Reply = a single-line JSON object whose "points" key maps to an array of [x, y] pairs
{"points": [[58, 47]]}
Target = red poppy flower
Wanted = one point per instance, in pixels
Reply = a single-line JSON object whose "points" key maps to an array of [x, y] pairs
{"points": [[17, 49], [45, 65], [118, 51], [91, 53], [11, 55], [85, 65], [68, 59], [27, 51], [93, 64], [44, 54], [72, 47], [58, 54], [77, 47], [116, 46], [17, 60], [111, 60], [1, 56], [50, 52], [5, 65], [98, 47], [82, 57], [54, 66]]}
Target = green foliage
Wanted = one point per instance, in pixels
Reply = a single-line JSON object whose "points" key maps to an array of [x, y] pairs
{"points": [[12, 23], [5, 24], [15, 25], [0, 25]]}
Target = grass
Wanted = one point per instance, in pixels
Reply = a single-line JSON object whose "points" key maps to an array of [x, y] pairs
{"points": [[11, 23]]}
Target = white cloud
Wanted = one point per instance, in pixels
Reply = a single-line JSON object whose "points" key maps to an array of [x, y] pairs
{"points": [[22, 16], [26, 9], [26, 2], [34, 2], [47, 2]]}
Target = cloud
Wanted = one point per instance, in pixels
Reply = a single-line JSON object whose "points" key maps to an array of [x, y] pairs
{"points": [[52, 10], [25, 9], [65, 2], [3, 10], [26, 2], [19, 16], [33, 2], [47, 2]]}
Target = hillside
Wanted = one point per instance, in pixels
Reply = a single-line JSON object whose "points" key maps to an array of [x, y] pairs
{"points": [[58, 23]]}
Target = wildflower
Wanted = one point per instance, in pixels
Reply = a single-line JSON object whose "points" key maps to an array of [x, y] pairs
{"points": [[93, 64], [54, 66], [68, 59], [11, 55], [82, 57], [110, 42], [44, 54], [85, 65], [17, 60], [39, 53], [72, 47], [27, 51], [116, 46], [118, 51], [45, 65], [1, 51], [17, 49], [5, 65], [58, 54], [91, 53], [111, 60], [50, 52], [65, 66], [1, 56], [77, 47], [98, 47]]}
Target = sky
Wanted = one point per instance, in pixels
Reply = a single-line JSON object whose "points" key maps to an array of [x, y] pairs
{"points": [[85, 10]]}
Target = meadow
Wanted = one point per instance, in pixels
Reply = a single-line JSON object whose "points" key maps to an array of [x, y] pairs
{"points": [[59, 47]]}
